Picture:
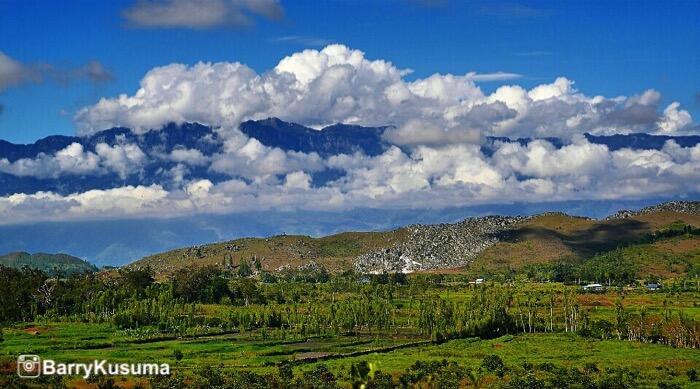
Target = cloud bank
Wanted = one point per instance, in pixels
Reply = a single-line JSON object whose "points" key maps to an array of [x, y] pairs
{"points": [[14, 72], [338, 84], [431, 177], [434, 158], [200, 14]]}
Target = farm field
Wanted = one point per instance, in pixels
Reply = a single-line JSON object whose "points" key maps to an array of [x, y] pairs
{"points": [[77, 343], [392, 349]]}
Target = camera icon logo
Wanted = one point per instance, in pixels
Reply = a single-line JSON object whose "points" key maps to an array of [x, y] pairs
{"points": [[28, 366]]}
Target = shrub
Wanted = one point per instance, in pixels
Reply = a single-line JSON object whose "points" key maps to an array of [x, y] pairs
{"points": [[494, 364]]}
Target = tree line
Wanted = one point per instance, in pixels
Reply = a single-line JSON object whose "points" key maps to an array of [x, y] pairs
{"points": [[342, 304]]}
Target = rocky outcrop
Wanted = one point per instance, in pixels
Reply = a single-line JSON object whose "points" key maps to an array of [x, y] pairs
{"points": [[689, 207], [438, 246]]}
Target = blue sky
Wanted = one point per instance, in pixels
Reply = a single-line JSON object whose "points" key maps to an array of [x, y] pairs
{"points": [[607, 48], [478, 69]]}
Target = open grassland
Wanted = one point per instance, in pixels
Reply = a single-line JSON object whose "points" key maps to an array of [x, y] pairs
{"points": [[221, 313], [657, 363]]}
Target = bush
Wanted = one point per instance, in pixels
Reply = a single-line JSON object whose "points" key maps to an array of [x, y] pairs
{"points": [[318, 378], [380, 381], [167, 382], [494, 364]]}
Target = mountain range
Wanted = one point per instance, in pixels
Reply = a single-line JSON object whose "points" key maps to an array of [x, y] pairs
{"points": [[332, 140]]}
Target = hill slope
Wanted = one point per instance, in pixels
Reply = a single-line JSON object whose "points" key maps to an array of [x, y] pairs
{"points": [[335, 252], [551, 238], [48, 263], [490, 243]]}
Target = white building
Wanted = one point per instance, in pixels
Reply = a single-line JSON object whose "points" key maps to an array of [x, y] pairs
{"points": [[593, 288]]}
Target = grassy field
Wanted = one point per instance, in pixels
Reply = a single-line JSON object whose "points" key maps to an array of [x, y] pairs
{"points": [[82, 342], [262, 351], [558, 237], [204, 306]]}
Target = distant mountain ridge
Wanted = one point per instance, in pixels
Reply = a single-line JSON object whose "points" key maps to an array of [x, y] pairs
{"points": [[157, 144], [53, 264], [331, 140], [154, 143]]}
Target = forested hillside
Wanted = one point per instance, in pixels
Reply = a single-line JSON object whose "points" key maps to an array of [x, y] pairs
{"points": [[54, 264]]}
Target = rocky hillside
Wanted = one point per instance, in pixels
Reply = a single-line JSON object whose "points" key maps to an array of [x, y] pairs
{"points": [[491, 243], [438, 246], [686, 207]]}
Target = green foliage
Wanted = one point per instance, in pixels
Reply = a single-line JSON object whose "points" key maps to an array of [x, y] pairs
{"points": [[622, 378], [174, 381], [611, 267], [206, 284], [52, 264], [494, 364], [244, 268], [285, 372], [359, 373], [320, 377], [444, 374], [19, 300], [677, 228], [265, 324], [380, 380], [137, 280]]}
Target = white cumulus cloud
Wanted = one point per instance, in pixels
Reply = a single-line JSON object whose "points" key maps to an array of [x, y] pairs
{"points": [[340, 84]]}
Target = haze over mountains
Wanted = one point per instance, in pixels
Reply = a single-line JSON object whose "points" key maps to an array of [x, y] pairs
{"points": [[143, 176]]}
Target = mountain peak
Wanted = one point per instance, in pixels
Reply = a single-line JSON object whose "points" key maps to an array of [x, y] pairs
{"points": [[331, 140]]}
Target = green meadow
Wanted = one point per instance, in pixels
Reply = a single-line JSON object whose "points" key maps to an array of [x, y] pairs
{"points": [[215, 341]]}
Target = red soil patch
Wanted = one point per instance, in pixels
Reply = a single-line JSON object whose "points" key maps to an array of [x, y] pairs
{"points": [[35, 330], [8, 368], [309, 355], [596, 300], [81, 384]]}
